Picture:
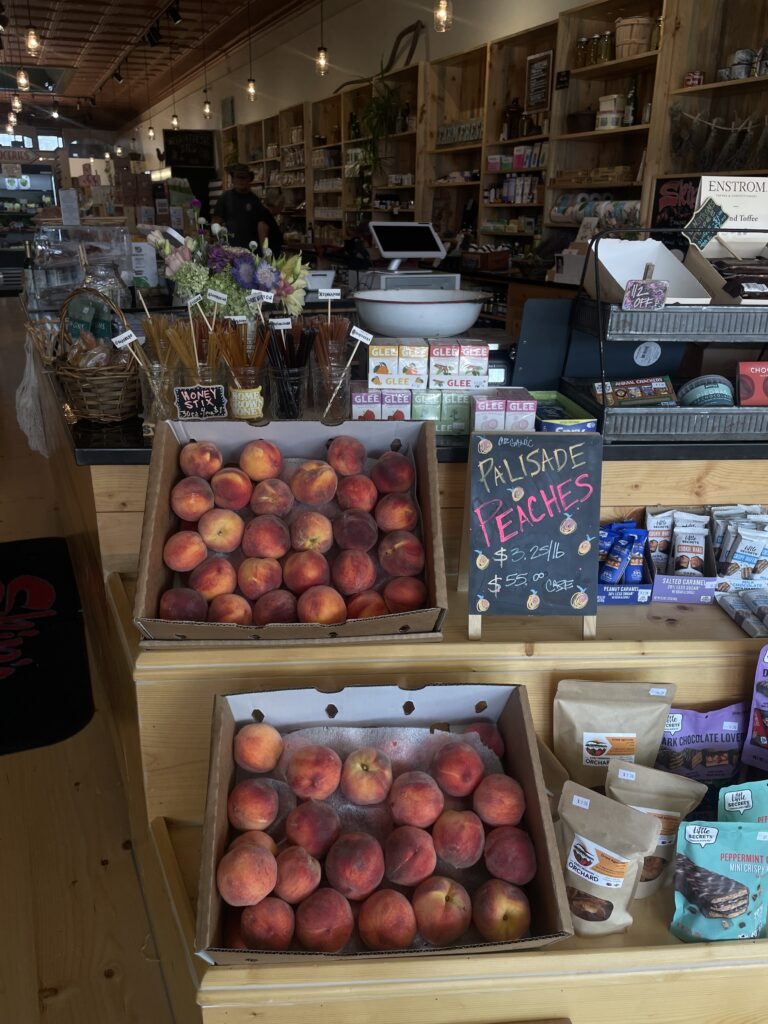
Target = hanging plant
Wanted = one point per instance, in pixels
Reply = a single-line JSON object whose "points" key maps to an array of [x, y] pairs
{"points": [[377, 119]]}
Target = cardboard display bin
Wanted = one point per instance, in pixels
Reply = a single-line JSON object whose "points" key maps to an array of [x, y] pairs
{"points": [[306, 440], [432, 707]]}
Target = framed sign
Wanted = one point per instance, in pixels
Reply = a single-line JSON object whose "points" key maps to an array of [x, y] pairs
{"points": [[189, 148], [538, 81]]}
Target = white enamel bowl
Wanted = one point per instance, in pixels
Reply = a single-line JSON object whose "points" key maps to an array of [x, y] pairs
{"points": [[418, 312]]}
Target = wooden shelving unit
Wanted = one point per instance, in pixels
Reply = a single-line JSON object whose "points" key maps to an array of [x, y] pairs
{"points": [[294, 141], [392, 199], [326, 171], [357, 193]]}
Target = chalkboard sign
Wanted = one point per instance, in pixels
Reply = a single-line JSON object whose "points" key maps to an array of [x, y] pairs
{"points": [[645, 295], [201, 402], [189, 148], [538, 81], [534, 517], [705, 224]]}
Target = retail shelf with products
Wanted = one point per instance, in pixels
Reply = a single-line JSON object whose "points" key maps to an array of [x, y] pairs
{"points": [[615, 68], [758, 82]]}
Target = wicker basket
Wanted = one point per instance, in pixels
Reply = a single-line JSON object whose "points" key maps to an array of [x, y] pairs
{"points": [[633, 35], [104, 394]]}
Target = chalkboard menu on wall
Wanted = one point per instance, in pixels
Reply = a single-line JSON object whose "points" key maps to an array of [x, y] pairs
{"points": [[534, 518], [189, 148], [538, 81]]}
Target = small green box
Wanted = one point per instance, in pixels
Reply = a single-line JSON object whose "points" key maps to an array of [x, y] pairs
{"points": [[426, 405], [456, 414]]}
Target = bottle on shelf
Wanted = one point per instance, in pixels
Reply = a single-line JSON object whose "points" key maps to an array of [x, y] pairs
{"points": [[406, 115], [29, 273], [510, 127], [630, 110]]}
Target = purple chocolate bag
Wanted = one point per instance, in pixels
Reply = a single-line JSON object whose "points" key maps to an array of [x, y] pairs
{"points": [[704, 745], [756, 741]]}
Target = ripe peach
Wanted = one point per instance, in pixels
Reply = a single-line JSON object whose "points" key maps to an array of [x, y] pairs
{"points": [[257, 747], [405, 594], [409, 855], [200, 458], [266, 537], [230, 608], [182, 604], [322, 604], [276, 606], [191, 497], [366, 777], [415, 799], [311, 531], [353, 572], [246, 875], [458, 837], [221, 529], [252, 804], [232, 488], [509, 854], [401, 554], [232, 937], [392, 473], [355, 530], [324, 921], [457, 768], [396, 512], [268, 925], [313, 772], [357, 492], [261, 460], [257, 576], [184, 551], [313, 825], [387, 921], [366, 604], [346, 455], [305, 569], [314, 483], [354, 865], [214, 576], [501, 911], [271, 497], [443, 910], [298, 874], [499, 800], [489, 736], [255, 838]]}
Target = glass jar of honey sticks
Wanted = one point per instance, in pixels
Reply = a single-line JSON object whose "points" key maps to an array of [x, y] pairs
{"points": [[247, 393], [288, 392]]}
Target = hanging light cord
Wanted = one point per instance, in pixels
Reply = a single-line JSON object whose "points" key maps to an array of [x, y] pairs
{"points": [[322, 40], [205, 60], [146, 84], [173, 84], [250, 52]]}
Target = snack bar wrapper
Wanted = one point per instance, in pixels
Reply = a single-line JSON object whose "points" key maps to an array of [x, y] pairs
{"points": [[704, 745], [755, 750]]}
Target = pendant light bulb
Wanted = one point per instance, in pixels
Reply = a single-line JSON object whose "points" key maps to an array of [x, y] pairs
{"points": [[251, 90], [443, 13], [33, 42], [22, 80], [321, 61], [55, 111], [12, 118], [9, 130], [16, 103], [107, 155], [207, 113], [118, 150], [174, 121], [150, 132]]}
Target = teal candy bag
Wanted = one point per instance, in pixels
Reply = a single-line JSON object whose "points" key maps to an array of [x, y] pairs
{"points": [[746, 803], [721, 879]]}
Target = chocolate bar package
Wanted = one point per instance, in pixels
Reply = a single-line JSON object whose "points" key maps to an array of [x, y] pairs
{"points": [[721, 881], [746, 802], [703, 745], [755, 750]]}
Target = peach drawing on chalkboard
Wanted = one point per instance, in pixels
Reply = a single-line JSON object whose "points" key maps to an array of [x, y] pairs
{"points": [[586, 545], [482, 561], [483, 604], [517, 493], [533, 601], [580, 600], [568, 525], [484, 446]]}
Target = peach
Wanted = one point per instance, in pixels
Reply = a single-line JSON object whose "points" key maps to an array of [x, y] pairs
{"points": [[255, 838], [443, 910], [499, 800], [458, 837], [191, 497], [409, 855], [489, 736], [232, 938], [501, 911], [232, 488], [230, 608], [257, 747], [405, 594], [200, 458], [415, 799], [353, 572], [354, 865], [392, 473], [324, 921], [246, 875], [314, 483], [322, 604], [252, 804], [355, 530], [313, 772], [215, 576], [366, 777], [257, 576], [401, 554], [346, 455], [276, 606], [298, 874], [311, 531], [221, 529], [457, 768], [305, 569], [261, 460], [366, 604], [266, 537], [313, 825], [357, 492], [396, 512], [184, 551], [509, 854], [271, 497], [268, 925], [387, 921], [182, 604]]}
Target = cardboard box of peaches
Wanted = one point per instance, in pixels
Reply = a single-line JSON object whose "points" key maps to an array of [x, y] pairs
{"points": [[376, 822], [291, 533]]}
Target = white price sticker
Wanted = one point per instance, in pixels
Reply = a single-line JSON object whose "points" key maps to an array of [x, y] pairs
{"points": [[257, 296], [329, 293], [124, 339], [581, 801], [220, 298], [360, 335], [624, 773], [282, 323], [658, 691], [193, 301]]}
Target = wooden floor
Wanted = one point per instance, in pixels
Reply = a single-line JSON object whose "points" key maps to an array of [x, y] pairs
{"points": [[75, 943]]}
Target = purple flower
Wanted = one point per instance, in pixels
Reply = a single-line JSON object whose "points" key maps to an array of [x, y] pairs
{"points": [[267, 277], [219, 259], [244, 272], [195, 203]]}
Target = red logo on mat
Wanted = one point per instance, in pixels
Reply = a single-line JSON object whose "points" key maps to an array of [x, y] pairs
{"points": [[27, 598]]}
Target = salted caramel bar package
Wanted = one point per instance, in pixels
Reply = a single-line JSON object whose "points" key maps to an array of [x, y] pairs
{"points": [[602, 848], [666, 797], [596, 723]]}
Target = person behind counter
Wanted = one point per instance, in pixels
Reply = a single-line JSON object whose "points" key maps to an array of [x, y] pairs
{"points": [[244, 215]]}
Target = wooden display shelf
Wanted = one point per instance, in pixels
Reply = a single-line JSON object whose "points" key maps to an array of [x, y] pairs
{"points": [[333, 167], [519, 170], [605, 133], [459, 148], [734, 85], [514, 206], [613, 68], [581, 185], [695, 174], [392, 188], [508, 234], [453, 184], [520, 141]]}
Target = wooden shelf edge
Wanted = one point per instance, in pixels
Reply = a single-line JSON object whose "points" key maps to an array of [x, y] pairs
{"points": [[734, 83]]}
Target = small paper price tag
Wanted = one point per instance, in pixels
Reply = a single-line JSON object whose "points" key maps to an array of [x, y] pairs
{"points": [[282, 323], [193, 301], [237, 319], [124, 339], [360, 335], [219, 298], [329, 293], [581, 801], [257, 296]]}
